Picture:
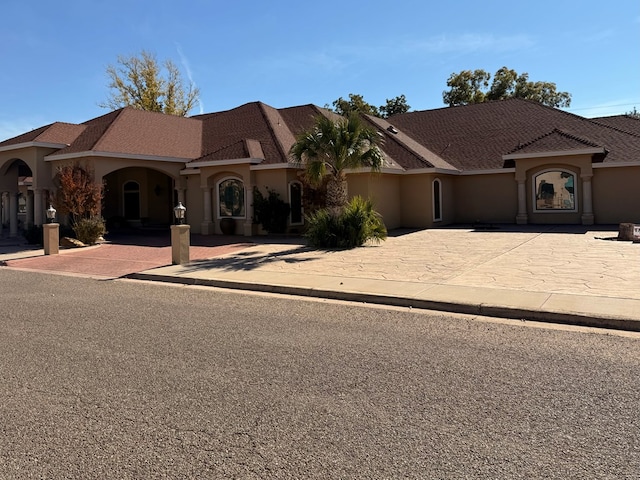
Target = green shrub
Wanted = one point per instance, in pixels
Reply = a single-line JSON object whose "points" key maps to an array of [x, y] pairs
{"points": [[353, 227], [33, 234], [89, 230], [271, 211]]}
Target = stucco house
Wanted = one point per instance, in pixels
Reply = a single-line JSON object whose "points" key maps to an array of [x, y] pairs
{"points": [[510, 161]]}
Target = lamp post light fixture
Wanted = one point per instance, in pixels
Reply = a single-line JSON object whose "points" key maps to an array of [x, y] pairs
{"points": [[180, 237], [51, 233], [51, 214], [179, 213]]}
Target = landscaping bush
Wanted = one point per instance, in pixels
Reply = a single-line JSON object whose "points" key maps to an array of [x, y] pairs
{"points": [[352, 227], [271, 211], [33, 234], [89, 230]]}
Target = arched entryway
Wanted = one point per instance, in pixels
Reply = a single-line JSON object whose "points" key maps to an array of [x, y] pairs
{"points": [[138, 198], [21, 205]]}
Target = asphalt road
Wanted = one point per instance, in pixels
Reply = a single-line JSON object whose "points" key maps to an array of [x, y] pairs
{"points": [[129, 380]]}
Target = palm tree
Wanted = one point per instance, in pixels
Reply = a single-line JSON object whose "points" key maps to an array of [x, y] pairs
{"points": [[330, 147]]}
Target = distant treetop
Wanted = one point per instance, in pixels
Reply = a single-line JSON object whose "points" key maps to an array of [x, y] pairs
{"points": [[473, 87]]}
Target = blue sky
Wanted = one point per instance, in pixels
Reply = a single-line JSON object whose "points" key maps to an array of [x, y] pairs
{"points": [[292, 52]]}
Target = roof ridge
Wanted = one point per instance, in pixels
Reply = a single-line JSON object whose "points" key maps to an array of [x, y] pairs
{"points": [[378, 121], [551, 132], [617, 129], [263, 107], [109, 127]]}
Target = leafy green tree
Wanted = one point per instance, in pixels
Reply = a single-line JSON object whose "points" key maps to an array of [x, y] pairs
{"points": [[394, 106], [141, 82], [466, 87], [356, 103], [330, 147], [473, 87]]}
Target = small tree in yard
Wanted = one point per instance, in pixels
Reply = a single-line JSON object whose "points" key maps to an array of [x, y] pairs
{"points": [[80, 196], [326, 151]]}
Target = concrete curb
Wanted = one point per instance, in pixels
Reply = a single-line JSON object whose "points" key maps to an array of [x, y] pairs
{"points": [[598, 321]]}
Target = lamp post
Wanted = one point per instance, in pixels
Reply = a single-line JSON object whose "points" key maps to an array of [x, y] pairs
{"points": [[51, 214], [179, 213], [179, 236], [51, 233]]}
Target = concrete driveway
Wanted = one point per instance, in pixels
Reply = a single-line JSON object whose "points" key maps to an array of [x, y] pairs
{"points": [[572, 274]]}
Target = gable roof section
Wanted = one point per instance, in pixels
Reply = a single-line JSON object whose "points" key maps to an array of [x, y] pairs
{"points": [[555, 142], [236, 131], [55, 134], [475, 137], [129, 132]]}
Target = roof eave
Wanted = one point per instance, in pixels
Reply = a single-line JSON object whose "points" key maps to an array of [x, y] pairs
{"points": [[557, 153], [130, 156], [230, 161], [17, 146]]}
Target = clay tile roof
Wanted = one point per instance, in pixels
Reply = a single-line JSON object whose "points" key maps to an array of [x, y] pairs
{"points": [[554, 141], [55, 133], [475, 137]]}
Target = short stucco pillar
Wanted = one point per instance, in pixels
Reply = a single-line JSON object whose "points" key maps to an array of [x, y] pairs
{"points": [[51, 240], [180, 244]]}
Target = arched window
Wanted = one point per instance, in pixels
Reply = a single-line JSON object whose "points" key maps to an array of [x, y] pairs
{"points": [[131, 196], [555, 191], [437, 200], [231, 198], [295, 201]]}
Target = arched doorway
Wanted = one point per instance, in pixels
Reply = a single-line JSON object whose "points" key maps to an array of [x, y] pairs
{"points": [[138, 198], [18, 202]]}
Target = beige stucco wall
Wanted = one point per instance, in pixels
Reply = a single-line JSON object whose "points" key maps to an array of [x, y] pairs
{"points": [[487, 198], [415, 198], [34, 157], [383, 190], [616, 195]]}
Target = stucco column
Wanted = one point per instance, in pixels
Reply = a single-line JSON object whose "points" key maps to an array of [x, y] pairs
{"points": [[248, 222], [587, 201], [13, 214], [207, 223], [181, 192], [5, 207], [1, 211], [37, 207], [522, 218], [29, 219]]}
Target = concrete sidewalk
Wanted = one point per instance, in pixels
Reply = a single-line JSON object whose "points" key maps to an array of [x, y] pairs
{"points": [[570, 275], [573, 275]]}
